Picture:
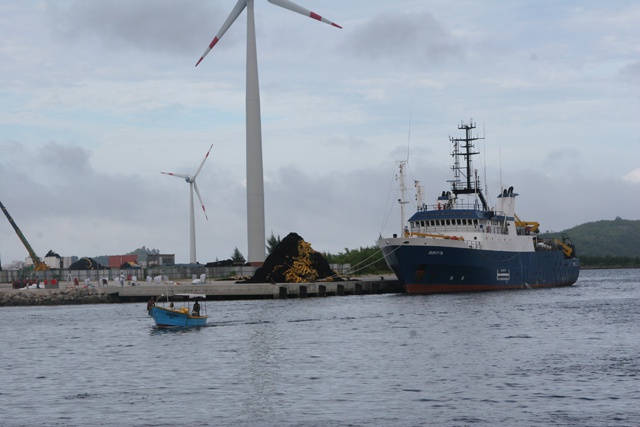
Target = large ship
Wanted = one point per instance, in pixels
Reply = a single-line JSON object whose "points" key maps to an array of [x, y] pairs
{"points": [[460, 244]]}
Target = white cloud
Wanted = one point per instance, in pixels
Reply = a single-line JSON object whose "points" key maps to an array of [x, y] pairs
{"points": [[633, 176]]}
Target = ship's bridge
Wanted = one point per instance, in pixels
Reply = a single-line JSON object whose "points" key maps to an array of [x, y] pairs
{"points": [[444, 214], [446, 221]]}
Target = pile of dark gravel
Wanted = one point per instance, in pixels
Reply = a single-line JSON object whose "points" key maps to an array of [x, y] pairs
{"points": [[86, 264], [293, 261]]}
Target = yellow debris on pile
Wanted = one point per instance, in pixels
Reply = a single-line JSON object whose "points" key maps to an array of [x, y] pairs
{"points": [[302, 269], [293, 261]]}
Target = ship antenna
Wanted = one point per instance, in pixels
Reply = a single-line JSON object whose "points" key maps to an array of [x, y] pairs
{"points": [[409, 131], [484, 163], [500, 159]]}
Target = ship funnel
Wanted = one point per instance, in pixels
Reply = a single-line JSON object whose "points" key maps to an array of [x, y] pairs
{"points": [[507, 202]]}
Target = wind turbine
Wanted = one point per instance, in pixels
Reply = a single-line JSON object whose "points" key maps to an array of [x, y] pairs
{"points": [[191, 179], [255, 185]]}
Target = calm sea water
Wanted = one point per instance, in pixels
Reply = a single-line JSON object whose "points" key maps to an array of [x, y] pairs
{"points": [[566, 356]]}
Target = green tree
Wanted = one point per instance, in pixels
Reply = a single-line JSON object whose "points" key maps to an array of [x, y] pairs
{"points": [[272, 242], [237, 257], [368, 260]]}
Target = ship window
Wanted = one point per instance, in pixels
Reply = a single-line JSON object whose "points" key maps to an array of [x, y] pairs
{"points": [[448, 222], [421, 223], [458, 221]]}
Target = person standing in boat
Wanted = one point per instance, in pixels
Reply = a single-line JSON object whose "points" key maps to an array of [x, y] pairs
{"points": [[151, 303], [196, 309]]}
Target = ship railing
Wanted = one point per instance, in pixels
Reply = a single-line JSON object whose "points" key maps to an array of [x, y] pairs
{"points": [[445, 205], [449, 229]]}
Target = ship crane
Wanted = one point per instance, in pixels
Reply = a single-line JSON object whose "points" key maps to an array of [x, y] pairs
{"points": [[38, 264]]}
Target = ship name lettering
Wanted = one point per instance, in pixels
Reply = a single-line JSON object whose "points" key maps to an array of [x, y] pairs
{"points": [[436, 253]]}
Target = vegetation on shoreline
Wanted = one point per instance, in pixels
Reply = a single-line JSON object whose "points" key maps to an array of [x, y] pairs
{"points": [[609, 262], [605, 244], [364, 260]]}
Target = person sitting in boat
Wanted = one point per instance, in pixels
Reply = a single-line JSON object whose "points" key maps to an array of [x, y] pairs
{"points": [[151, 303], [196, 309]]}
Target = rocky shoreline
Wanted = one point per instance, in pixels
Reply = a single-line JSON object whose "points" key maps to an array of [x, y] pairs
{"points": [[67, 296]]}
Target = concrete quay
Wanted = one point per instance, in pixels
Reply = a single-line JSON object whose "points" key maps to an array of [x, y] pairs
{"points": [[230, 290], [215, 290]]}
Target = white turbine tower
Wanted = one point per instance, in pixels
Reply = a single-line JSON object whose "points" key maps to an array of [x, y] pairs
{"points": [[191, 179], [255, 186]]}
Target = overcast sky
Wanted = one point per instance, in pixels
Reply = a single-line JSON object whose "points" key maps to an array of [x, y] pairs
{"points": [[98, 97]]}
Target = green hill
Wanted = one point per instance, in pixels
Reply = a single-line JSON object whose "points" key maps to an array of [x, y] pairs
{"points": [[617, 238]]}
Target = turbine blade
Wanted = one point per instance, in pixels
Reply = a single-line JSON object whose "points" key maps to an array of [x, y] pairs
{"points": [[200, 199], [239, 7], [301, 10], [202, 164], [177, 175]]}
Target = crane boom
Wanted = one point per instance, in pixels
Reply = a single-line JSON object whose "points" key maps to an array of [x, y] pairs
{"points": [[39, 265]]}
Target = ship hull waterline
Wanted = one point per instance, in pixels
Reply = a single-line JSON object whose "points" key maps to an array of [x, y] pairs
{"points": [[440, 269]]}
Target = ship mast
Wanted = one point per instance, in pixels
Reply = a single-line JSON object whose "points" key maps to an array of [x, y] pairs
{"points": [[403, 193], [464, 148]]}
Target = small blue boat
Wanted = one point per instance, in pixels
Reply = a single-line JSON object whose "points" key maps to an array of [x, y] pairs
{"points": [[190, 312]]}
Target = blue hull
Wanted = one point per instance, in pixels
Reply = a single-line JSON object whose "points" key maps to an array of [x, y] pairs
{"points": [[166, 318], [438, 269]]}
